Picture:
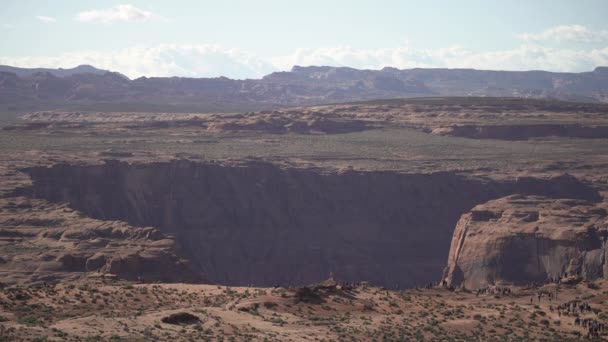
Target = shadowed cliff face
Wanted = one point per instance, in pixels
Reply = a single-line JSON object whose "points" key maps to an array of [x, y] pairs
{"points": [[262, 224]]}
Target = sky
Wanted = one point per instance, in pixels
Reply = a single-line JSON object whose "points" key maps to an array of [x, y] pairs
{"points": [[251, 38]]}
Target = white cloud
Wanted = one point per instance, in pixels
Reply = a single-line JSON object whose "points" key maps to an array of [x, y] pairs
{"points": [[124, 13], [162, 60], [7, 26], [567, 33], [524, 57], [45, 19], [215, 60], [400, 57]]}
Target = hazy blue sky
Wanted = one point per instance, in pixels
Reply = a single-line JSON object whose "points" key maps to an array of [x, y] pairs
{"points": [[241, 38]]}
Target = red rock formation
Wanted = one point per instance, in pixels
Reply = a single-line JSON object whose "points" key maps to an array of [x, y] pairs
{"points": [[525, 239], [55, 242]]}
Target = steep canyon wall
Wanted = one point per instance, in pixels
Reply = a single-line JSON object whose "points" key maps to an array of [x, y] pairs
{"points": [[261, 224]]}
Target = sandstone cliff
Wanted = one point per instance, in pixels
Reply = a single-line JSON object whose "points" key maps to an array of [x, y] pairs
{"points": [[262, 224], [524, 239]]}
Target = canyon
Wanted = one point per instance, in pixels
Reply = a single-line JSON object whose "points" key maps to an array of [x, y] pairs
{"points": [[427, 208], [260, 224], [374, 191]]}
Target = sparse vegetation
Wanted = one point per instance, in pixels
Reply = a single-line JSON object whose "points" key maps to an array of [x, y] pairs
{"points": [[240, 313]]}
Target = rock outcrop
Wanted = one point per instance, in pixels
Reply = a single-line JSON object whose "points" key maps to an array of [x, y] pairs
{"points": [[526, 239], [41, 241], [470, 117]]}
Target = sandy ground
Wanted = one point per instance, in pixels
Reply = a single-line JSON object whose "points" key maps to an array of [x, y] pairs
{"points": [[114, 310]]}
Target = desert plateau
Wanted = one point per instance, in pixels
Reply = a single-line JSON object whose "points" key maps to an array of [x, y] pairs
{"points": [[301, 181]]}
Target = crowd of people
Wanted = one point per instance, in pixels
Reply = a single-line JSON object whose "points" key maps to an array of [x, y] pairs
{"points": [[540, 294], [494, 290], [573, 307], [594, 328], [577, 308]]}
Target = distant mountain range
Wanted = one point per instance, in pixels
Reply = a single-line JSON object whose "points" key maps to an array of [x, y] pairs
{"points": [[88, 86], [28, 72]]}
